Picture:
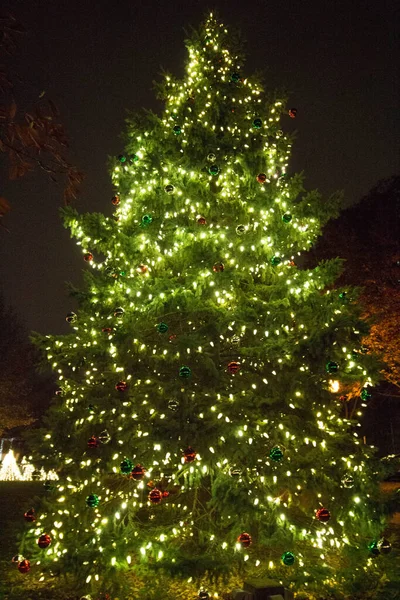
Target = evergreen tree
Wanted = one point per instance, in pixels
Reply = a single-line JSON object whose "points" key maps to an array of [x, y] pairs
{"points": [[24, 393], [199, 431]]}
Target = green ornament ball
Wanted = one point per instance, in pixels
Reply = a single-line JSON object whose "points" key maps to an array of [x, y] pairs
{"points": [[343, 297], [374, 548], [276, 454], [177, 130], [240, 229], [235, 77], [332, 367], [162, 327], [92, 500], [286, 218], [185, 372], [276, 260], [257, 123], [169, 189], [213, 170], [365, 394], [288, 558], [126, 466], [146, 220], [133, 158], [122, 158]]}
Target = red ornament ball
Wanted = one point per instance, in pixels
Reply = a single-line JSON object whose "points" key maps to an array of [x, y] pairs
{"points": [[244, 539], [233, 367], [44, 541], [115, 200], [93, 442], [107, 330], [218, 267], [121, 386], [138, 472], [24, 566], [30, 516], [155, 496], [189, 455], [201, 221], [323, 515], [142, 269], [261, 178], [88, 257], [165, 494], [292, 113]]}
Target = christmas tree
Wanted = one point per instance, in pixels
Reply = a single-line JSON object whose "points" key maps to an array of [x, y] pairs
{"points": [[198, 433]]}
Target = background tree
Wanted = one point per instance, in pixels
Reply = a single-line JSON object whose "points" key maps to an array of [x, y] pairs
{"points": [[200, 432], [30, 136], [366, 236], [24, 393]]}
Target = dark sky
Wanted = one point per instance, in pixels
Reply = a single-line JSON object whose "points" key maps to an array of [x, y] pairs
{"points": [[338, 60]]}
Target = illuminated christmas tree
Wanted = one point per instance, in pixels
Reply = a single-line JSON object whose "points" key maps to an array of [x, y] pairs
{"points": [[9, 470], [199, 431]]}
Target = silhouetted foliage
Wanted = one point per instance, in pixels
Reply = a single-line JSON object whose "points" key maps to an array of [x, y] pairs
{"points": [[367, 236], [32, 136], [24, 393]]}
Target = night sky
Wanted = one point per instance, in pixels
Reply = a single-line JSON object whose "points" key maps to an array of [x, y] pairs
{"points": [[96, 60]]}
